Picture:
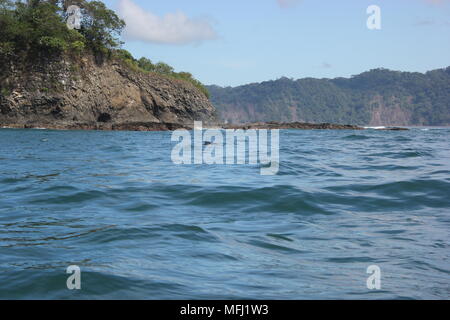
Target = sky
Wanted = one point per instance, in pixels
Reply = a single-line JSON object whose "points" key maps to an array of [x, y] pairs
{"points": [[235, 42]]}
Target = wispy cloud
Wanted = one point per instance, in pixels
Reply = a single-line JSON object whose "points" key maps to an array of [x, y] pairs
{"points": [[437, 2], [172, 28], [424, 22], [288, 3], [326, 65]]}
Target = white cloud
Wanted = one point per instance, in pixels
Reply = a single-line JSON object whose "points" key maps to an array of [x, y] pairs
{"points": [[437, 2], [173, 28], [287, 3]]}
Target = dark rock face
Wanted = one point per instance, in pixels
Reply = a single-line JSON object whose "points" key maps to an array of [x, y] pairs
{"points": [[64, 94]]}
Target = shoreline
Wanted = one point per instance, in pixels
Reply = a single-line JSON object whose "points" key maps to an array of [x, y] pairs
{"points": [[157, 126]]}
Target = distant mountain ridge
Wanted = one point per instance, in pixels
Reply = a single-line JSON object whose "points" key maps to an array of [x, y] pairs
{"points": [[377, 97]]}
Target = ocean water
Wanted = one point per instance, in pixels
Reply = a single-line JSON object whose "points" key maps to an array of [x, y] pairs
{"points": [[141, 227]]}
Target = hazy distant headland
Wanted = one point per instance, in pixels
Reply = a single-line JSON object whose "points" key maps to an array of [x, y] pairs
{"points": [[378, 97]]}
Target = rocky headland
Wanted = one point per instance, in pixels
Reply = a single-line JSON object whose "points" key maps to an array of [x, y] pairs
{"points": [[84, 94], [68, 94]]}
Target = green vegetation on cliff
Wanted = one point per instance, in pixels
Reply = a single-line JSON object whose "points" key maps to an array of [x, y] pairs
{"points": [[146, 65], [37, 29], [377, 97]]}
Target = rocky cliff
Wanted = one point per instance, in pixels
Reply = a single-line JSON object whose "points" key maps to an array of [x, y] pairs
{"points": [[69, 93]]}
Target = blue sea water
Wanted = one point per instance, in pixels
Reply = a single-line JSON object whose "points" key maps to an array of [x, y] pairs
{"points": [[141, 227]]}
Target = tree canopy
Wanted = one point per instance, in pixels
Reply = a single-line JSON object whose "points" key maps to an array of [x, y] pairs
{"points": [[40, 26]]}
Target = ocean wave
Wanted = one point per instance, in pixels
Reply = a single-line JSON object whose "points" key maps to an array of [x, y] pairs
{"points": [[140, 226], [357, 137]]}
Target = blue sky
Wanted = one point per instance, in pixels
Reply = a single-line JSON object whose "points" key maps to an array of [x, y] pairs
{"points": [[234, 42]]}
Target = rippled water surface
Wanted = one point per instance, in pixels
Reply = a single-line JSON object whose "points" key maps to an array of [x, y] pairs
{"points": [[141, 227]]}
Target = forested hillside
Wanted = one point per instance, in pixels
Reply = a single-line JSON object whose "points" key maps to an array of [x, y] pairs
{"points": [[376, 97]]}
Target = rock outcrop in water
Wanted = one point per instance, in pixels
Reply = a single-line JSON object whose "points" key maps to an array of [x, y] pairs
{"points": [[83, 94], [301, 126], [293, 125]]}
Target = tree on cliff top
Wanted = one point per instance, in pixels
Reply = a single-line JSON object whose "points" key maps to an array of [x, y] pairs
{"points": [[100, 26], [37, 25]]}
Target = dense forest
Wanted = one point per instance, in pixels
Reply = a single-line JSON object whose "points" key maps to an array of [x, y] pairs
{"points": [[377, 97], [36, 30]]}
